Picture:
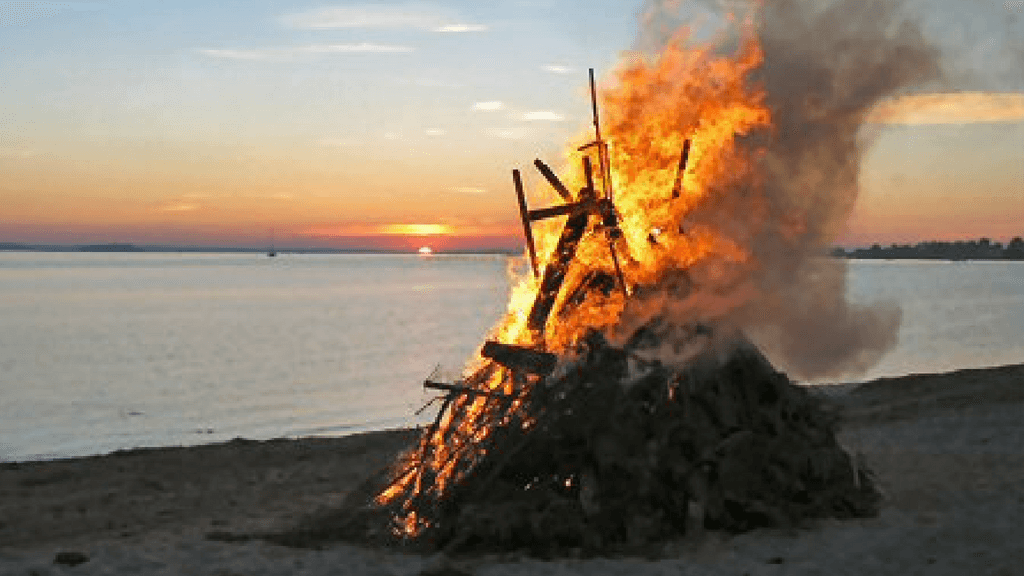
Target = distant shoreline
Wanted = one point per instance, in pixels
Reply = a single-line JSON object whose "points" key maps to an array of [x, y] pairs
{"points": [[948, 251], [981, 249], [133, 248]]}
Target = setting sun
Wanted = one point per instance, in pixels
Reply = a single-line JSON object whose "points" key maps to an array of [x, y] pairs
{"points": [[425, 251]]}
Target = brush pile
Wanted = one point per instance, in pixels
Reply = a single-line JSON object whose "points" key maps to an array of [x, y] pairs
{"points": [[611, 451]]}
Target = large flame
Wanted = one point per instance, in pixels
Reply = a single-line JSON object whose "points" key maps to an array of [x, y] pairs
{"points": [[649, 113], [774, 155], [651, 109]]}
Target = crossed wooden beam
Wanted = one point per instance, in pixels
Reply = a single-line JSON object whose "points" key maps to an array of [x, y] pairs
{"points": [[588, 202]]}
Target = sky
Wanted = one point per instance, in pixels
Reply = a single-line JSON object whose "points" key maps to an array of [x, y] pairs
{"points": [[397, 124]]}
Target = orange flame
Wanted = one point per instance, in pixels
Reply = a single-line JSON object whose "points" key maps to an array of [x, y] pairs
{"points": [[651, 110]]}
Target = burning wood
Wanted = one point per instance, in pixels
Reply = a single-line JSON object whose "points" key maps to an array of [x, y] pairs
{"points": [[559, 439]]}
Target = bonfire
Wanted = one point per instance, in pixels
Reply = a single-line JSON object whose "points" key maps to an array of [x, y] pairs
{"points": [[620, 401]]}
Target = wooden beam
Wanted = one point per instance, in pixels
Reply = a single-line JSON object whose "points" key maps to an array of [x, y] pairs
{"points": [[684, 158], [549, 175], [521, 358], [555, 271], [524, 214]]}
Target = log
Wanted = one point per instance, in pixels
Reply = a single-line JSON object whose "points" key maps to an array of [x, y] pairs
{"points": [[461, 389], [684, 158], [554, 273], [524, 214], [520, 358], [549, 175], [562, 210]]}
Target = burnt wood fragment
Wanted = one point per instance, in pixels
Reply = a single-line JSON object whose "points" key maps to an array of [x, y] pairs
{"points": [[524, 214], [684, 158], [549, 175], [554, 273], [520, 358]]}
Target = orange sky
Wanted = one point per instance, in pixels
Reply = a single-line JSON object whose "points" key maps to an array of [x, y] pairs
{"points": [[329, 126]]}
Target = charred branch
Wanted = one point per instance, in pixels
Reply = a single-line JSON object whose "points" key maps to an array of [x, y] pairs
{"points": [[524, 216], [463, 389], [554, 273], [549, 175], [520, 358], [684, 158]]}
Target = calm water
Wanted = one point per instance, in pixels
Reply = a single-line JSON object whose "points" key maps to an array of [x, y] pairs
{"points": [[107, 351]]}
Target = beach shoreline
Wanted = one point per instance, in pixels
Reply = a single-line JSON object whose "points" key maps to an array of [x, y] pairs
{"points": [[947, 449]]}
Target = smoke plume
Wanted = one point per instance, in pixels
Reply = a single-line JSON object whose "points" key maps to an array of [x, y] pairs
{"points": [[825, 66]]}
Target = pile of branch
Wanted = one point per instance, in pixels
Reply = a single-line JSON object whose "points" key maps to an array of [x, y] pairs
{"points": [[612, 451]]}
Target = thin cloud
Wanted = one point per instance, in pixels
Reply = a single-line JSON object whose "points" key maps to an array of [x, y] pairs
{"points": [[456, 28], [180, 206], [468, 190], [506, 134], [416, 15], [434, 132], [951, 108], [488, 106], [290, 53], [338, 142], [544, 116], [415, 229], [558, 69]]}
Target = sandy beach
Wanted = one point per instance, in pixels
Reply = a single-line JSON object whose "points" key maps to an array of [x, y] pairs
{"points": [[948, 451]]}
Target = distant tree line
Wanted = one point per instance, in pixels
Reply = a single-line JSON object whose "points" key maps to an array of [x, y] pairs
{"points": [[981, 249]]}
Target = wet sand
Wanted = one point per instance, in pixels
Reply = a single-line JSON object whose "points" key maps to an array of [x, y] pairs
{"points": [[948, 450]]}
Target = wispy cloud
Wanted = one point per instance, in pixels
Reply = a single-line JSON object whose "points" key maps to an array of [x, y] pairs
{"points": [[543, 115], [338, 142], [417, 15], [181, 205], [434, 132], [489, 106], [468, 190], [951, 108], [506, 134], [558, 69], [292, 52], [461, 28], [21, 13]]}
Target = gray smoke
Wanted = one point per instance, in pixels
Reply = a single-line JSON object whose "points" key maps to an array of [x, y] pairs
{"points": [[826, 65]]}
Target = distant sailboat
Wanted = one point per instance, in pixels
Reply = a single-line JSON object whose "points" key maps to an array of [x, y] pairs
{"points": [[271, 253]]}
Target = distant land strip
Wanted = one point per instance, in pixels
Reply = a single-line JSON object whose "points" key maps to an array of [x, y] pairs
{"points": [[127, 247], [981, 249]]}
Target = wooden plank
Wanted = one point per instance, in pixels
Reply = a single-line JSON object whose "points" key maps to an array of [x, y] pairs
{"points": [[554, 273], [461, 389], [549, 175], [520, 358], [524, 214], [561, 210], [684, 158]]}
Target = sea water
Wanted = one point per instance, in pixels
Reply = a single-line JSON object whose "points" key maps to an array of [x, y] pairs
{"points": [[103, 351]]}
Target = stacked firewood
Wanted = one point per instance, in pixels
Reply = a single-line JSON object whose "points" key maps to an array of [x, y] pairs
{"points": [[604, 447], [614, 450]]}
